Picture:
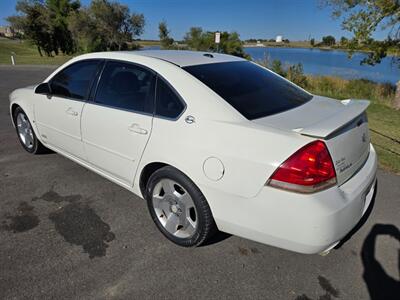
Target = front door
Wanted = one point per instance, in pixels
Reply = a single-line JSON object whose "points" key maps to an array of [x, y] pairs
{"points": [[117, 124], [58, 116]]}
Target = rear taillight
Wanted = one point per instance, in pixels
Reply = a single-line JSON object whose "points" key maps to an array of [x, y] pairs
{"points": [[308, 170]]}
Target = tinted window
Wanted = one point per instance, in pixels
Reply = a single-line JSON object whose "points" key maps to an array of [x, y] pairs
{"points": [[74, 81], [126, 86], [250, 89], [168, 103]]}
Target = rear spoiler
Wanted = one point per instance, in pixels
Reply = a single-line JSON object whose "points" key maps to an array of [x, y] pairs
{"points": [[326, 128]]}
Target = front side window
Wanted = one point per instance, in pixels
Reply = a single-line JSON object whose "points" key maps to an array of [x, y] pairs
{"points": [[126, 86], [75, 80], [249, 88], [168, 104]]}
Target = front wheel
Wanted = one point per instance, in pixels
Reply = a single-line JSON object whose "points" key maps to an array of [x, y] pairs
{"points": [[25, 132], [178, 208]]}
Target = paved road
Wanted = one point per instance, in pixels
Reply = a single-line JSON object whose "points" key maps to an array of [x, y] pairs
{"points": [[68, 233]]}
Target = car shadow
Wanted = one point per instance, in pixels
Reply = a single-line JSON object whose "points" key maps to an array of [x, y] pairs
{"points": [[380, 285]]}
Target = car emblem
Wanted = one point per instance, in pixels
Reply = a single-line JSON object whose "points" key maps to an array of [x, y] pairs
{"points": [[190, 119]]}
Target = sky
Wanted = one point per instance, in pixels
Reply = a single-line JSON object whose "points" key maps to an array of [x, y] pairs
{"points": [[293, 19]]}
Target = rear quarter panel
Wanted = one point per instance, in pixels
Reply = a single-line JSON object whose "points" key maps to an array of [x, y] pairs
{"points": [[249, 153]]}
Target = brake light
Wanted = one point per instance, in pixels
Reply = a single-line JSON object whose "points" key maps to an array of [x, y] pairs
{"points": [[308, 170]]}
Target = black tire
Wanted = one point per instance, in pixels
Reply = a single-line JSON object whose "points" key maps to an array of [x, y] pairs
{"points": [[37, 147], [206, 227]]}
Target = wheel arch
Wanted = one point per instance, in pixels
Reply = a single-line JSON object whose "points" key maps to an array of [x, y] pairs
{"points": [[28, 110], [146, 172], [14, 106], [152, 167]]}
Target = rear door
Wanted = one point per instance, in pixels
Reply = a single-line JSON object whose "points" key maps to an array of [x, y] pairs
{"points": [[58, 115], [117, 124]]}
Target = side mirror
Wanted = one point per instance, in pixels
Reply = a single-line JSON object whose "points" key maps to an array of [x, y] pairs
{"points": [[43, 88]]}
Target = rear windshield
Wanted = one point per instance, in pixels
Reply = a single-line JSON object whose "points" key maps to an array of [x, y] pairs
{"points": [[249, 88]]}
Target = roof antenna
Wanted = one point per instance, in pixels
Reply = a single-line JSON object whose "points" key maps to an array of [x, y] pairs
{"points": [[208, 55]]}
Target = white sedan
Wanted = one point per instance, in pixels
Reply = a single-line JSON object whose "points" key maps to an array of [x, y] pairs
{"points": [[211, 141]]}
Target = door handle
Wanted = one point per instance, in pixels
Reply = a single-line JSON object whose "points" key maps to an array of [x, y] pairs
{"points": [[137, 129], [71, 112]]}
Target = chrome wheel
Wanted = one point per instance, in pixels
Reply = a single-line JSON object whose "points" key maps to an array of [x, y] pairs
{"points": [[25, 131], [174, 208]]}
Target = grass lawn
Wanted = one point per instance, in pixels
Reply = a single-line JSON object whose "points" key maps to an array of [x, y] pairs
{"points": [[26, 54], [148, 43], [384, 121]]}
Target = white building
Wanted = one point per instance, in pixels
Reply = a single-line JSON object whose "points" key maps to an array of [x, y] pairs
{"points": [[279, 39], [9, 32]]}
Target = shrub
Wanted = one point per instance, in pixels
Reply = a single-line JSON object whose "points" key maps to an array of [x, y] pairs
{"points": [[296, 75], [278, 68]]}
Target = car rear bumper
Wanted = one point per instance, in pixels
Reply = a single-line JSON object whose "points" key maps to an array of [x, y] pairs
{"points": [[305, 223]]}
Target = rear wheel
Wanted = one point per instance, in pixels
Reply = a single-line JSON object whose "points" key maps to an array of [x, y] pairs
{"points": [[26, 135], [178, 208]]}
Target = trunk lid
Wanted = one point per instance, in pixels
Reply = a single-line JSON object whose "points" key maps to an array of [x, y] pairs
{"points": [[343, 126]]}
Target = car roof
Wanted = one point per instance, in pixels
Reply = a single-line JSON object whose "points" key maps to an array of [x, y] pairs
{"points": [[184, 58]]}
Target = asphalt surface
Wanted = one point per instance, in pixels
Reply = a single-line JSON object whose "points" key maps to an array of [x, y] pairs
{"points": [[66, 232]]}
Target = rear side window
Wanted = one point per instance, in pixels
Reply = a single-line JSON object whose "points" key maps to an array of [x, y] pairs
{"points": [[168, 104], [74, 81], [126, 86], [250, 89]]}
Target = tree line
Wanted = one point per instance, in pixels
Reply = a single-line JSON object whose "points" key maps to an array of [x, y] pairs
{"points": [[64, 26], [198, 39]]}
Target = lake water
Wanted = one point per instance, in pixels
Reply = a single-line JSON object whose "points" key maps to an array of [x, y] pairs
{"points": [[327, 62], [332, 62]]}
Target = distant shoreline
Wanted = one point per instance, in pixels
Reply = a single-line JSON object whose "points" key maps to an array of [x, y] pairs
{"points": [[300, 45]]}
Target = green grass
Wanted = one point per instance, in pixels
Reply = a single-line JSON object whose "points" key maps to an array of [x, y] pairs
{"points": [[383, 119], [386, 121], [26, 53], [148, 43]]}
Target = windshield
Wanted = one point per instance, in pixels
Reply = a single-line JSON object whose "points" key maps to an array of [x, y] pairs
{"points": [[252, 90]]}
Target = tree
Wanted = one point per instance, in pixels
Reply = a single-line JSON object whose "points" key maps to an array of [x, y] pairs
{"points": [[343, 41], [196, 39], [58, 11], [363, 18], [200, 40], [312, 42], [105, 25], [165, 39], [277, 67], [328, 40], [296, 75], [44, 23]]}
